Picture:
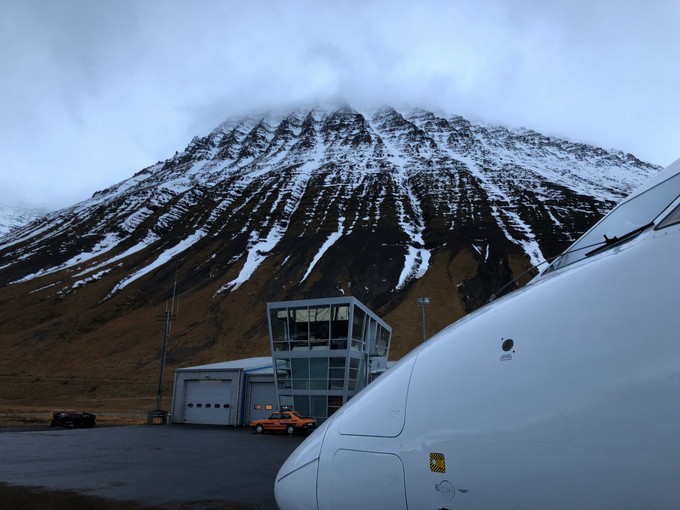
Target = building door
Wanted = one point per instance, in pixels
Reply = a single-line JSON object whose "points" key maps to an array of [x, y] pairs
{"points": [[207, 401], [262, 400]]}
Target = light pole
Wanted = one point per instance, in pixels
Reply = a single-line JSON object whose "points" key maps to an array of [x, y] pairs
{"points": [[422, 303]]}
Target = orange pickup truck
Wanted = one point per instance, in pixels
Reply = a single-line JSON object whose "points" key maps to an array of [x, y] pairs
{"points": [[287, 420]]}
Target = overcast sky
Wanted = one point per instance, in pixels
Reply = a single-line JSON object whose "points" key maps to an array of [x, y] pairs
{"points": [[93, 91]]}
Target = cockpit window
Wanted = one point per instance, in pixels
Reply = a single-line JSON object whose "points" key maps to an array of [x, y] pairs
{"points": [[671, 219], [625, 221]]}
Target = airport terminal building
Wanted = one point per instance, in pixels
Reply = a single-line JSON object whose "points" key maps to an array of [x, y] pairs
{"points": [[324, 351]]}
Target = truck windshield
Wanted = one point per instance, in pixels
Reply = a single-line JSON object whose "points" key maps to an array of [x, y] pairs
{"points": [[623, 222]]}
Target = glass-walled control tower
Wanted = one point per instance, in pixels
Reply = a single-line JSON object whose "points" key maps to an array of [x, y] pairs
{"points": [[325, 351]]}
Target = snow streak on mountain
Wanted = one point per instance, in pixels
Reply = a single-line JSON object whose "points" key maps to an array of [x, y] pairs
{"points": [[344, 202]]}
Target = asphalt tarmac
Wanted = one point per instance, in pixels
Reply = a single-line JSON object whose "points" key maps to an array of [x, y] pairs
{"points": [[154, 466]]}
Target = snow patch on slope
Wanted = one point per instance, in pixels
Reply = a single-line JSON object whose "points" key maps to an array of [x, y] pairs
{"points": [[150, 239], [259, 248], [258, 251], [528, 243], [162, 259], [324, 247], [417, 258], [106, 244]]}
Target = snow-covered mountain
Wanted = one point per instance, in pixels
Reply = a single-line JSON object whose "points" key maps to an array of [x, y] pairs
{"points": [[380, 204], [12, 218]]}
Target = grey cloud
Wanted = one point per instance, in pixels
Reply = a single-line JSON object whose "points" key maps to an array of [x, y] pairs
{"points": [[94, 91]]}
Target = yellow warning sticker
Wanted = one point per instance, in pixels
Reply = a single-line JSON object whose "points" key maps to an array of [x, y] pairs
{"points": [[437, 463]]}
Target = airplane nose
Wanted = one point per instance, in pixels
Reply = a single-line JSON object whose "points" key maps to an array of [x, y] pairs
{"points": [[295, 486], [297, 490]]}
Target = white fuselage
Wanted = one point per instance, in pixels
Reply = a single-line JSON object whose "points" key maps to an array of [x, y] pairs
{"points": [[582, 409]]}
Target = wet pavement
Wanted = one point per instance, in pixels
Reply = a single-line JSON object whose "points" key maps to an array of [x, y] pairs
{"points": [[166, 466]]}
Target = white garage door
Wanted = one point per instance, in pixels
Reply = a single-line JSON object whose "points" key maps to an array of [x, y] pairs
{"points": [[207, 402]]}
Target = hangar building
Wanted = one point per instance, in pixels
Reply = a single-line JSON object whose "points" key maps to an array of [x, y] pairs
{"points": [[229, 393]]}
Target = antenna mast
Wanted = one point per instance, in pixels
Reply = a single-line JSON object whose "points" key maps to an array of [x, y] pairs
{"points": [[169, 316]]}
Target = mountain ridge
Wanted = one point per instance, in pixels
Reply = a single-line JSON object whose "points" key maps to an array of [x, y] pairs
{"points": [[381, 204]]}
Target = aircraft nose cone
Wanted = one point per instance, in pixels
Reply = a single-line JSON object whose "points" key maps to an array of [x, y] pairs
{"points": [[297, 490], [295, 487]]}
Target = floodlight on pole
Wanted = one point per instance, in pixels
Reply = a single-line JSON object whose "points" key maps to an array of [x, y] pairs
{"points": [[422, 303]]}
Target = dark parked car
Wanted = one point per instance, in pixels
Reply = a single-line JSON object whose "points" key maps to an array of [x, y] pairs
{"points": [[73, 419]]}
